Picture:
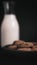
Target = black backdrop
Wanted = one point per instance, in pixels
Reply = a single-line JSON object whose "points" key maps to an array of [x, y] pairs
{"points": [[27, 16]]}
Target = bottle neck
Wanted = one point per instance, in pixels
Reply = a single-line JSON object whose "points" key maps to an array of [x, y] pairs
{"points": [[9, 7], [9, 13]]}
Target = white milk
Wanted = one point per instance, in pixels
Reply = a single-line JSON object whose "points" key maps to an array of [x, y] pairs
{"points": [[9, 30]]}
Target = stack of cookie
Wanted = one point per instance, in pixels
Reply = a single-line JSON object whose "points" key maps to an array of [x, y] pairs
{"points": [[23, 46]]}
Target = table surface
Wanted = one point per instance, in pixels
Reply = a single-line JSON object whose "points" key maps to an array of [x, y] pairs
{"points": [[17, 57], [18, 53]]}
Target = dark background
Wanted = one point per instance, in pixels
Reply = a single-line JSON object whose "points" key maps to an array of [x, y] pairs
{"points": [[27, 16]]}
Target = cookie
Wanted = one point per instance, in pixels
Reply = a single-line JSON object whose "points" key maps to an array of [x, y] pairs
{"points": [[35, 43], [34, 49], [28, 44], [24, 49], [23, 44], [18, 42], [11, 47]]}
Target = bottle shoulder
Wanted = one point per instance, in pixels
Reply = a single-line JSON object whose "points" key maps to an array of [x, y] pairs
{"points": [[10, 20]]}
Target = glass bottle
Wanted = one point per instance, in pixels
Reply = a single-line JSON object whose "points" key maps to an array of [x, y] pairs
{"points": [[10, 25]]}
